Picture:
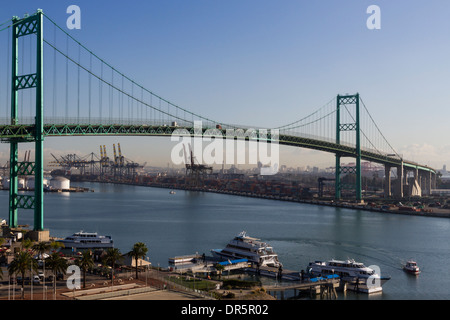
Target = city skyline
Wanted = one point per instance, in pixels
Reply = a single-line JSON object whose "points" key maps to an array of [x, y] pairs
{"points": [[266, 64]]}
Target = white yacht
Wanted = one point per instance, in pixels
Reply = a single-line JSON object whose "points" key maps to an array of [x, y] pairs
{"points": [[356, 274], [252, 249], [411, 267], [87, 240]]}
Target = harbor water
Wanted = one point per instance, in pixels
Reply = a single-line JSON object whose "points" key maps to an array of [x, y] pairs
{"points": [[188, 222]]}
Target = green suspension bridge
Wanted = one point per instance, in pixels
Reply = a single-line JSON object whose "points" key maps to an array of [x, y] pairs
{"points": [[80, 94]]}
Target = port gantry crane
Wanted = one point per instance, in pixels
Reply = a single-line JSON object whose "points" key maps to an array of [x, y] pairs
{"points": [[119, 167], [86, 165], [195, 172]]}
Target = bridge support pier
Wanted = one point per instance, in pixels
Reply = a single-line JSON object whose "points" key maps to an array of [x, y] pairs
{"points": [[427, 178], [387, 181], [399, 182], [416, 189], [337, 184], [428, 183]]}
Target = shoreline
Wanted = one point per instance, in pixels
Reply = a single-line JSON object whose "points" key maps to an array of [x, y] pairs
{"points": [[432, 212]]}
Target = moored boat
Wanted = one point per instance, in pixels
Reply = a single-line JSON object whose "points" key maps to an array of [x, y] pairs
{"points": [[357, 276], [87, 240], [252, 249]]}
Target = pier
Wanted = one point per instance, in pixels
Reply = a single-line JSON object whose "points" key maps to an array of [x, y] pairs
{"points": [[289, 280], [324, 287]]}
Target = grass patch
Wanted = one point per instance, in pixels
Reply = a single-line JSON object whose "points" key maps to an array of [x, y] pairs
{"points": [[191, 283], [240, 284]]}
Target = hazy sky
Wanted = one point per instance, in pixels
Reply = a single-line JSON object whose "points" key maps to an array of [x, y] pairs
{"points": [[266, 63]]}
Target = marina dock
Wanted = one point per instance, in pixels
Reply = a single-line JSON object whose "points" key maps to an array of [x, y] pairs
{"points": [[287, 280], [325, 287]]}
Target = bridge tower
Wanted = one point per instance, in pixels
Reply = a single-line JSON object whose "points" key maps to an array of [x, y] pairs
{"points": [[355, 126], [28, 26]]}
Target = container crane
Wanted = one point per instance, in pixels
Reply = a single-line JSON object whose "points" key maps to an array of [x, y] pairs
{"points": [[195, 172], [321, 184], [115, 156], [121, 159]]}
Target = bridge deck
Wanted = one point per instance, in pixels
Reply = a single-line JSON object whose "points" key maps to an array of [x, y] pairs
{"points": [[26, 132]]}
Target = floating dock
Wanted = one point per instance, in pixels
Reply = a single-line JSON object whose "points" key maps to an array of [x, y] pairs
{"points": [[325, 286]]}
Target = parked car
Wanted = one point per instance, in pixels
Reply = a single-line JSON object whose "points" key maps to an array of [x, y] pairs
{"points": [[36, 280]]}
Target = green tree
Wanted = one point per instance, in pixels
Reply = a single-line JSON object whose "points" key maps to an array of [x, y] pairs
{"points": [[56, 264], [22, 263], [26, 244], [219, 269], [55, 245], [85, 262], [40, 248], [139, 250], [113, 256]]}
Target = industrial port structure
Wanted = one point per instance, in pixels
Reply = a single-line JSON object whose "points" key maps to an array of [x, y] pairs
{"points": [[118, 168]]}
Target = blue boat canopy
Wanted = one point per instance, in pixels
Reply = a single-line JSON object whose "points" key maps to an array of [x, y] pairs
{"points": [[226, 263]]}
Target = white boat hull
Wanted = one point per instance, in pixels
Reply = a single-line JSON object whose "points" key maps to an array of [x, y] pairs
{"points": [[87, 240], [87, 246], [355, 275], [218, 253], [252, 249]]}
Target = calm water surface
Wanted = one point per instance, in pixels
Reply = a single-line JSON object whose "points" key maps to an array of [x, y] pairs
{"points": [[190, 222]]}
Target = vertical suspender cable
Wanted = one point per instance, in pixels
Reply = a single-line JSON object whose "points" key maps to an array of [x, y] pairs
{"points": [[54, 76], [100, 93], [67, 81], [132, 100], [142, 106], [110, 95], [90, 78], [78, 95], [121, 103]]}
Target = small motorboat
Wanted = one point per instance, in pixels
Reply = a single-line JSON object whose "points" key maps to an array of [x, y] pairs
{"points": [[411, 267], [172, 192]]}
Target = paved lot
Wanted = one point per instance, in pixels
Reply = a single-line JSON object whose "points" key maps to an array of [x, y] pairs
{"points": [[159, 295], [94, 284]]}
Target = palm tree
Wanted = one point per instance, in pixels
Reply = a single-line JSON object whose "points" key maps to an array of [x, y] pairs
{"points": [[40, 248], [139, 250], [56, 264], [21, 264], [85, 262], [112, 256]]}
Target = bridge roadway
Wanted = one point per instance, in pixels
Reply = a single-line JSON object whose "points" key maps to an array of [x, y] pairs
{"points": [[26, 132]]}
